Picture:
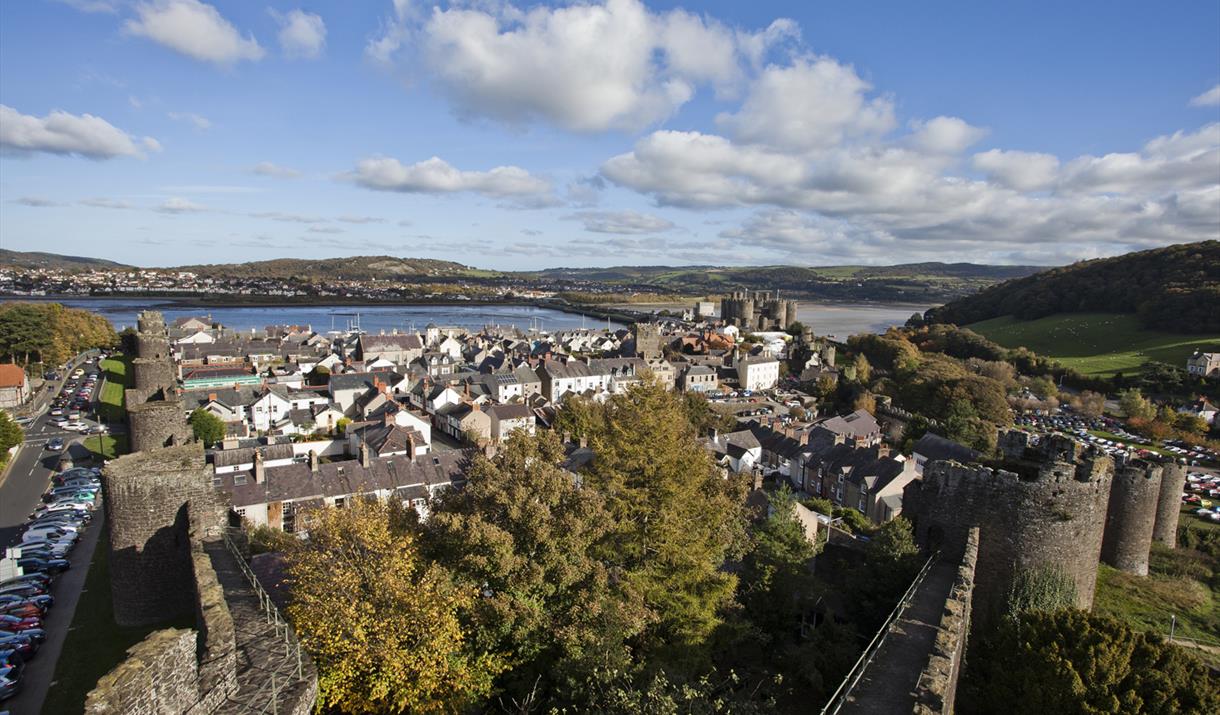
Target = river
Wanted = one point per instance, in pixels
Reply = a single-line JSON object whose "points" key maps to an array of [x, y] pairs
{"points": [[838, 320]]}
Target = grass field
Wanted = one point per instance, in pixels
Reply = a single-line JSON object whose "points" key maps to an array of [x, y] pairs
{"points": [[116, 373], [1178, 585], [94, 643], [106, 446], [1098, 344]]}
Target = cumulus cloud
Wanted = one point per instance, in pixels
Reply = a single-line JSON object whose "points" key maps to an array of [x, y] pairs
{"points": [[436, 176], [585, 67], [812, 103], [266, 168], [62, 133], [195, 29], [622, 222], [198, 121], [302, 34], [178, 205], [944, 135], [1020, 170], [1210, 98]]}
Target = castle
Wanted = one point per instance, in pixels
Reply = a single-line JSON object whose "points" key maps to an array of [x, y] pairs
{"points": [[758, 310]]}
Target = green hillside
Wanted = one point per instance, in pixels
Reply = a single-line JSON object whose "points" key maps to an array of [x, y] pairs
{"points": [[1096, 344]]}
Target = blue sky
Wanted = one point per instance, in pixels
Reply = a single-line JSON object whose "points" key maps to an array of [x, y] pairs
{"points": [[167, 132]]}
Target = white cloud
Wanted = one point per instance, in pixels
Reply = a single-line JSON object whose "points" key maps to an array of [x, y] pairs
{"points": [[1020, 170], [199, 122], [325, 229], [622, 222], [1180, 160], [92, 6], [178, 205], [194, 29], [287, 217], [302, 34], [103, 203], [151, 144], [266, 168], [944, 135], [62, 133], [584, 67], [359, 219], [1210, 98], [812, 103], [436, 176]]}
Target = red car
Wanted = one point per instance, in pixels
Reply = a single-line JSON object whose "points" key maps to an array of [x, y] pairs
{"points": [[21, 610], [17, 624]]}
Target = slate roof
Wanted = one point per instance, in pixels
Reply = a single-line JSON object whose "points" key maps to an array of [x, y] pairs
{"points": [[935, 447]]}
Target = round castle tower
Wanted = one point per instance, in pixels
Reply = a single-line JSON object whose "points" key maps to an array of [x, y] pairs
{"points": [[1169, 504], [1131, 516]]}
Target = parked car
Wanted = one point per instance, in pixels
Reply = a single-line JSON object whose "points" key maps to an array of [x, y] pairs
{"points": [[24, 644], [33, 563]]}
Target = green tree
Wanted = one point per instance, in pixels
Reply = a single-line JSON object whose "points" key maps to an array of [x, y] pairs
{"points": [[1046, 588], [676, 520], [863, 369], [1193, 424], [381, 621], [1072, 662], [893, 541], [1135, 405], [523, 533], [1044, 387], [777, 585], [11, 435], [207, 427]]}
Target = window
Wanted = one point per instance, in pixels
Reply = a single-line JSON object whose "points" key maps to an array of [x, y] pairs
{"points": [[340, 502], [241, 512], [218, 481], [290, 517], [239, 480]]}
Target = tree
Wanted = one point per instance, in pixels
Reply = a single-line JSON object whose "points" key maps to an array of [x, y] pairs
{"points": [[381, 621], [796, 328], [1043, 387], [863, 369], [777, 585], [893, 541], [207, 427], [1192, 424], [341, 425], [523, 533], [1088, 403], [11, 435], [1135, 406], [1069, 662], [676, 520]]}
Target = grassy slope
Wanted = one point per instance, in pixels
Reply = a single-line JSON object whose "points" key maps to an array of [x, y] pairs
{"points": [[1094, 343], [1177, 585]]}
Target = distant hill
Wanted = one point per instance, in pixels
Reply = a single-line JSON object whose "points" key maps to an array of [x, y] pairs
{"points": [[1174, 289], [35, 259], [915, 282], [350, 268]]}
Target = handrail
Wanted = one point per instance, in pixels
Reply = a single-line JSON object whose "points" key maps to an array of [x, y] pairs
{"points": [[292, 647], [839, 697]]}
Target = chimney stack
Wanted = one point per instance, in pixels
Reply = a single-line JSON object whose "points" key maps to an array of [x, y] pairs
{"points": [[211, 397], [260, 472], [313, 461], [411, 447], [364, 455], [584, 442], [387, 417]]}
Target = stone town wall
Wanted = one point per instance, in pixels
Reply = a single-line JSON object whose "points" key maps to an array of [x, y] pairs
{"points": [[156, 424], [1049, 515], [217, 644], [159, 677], [152, 346], [157, 503], [1169, 504], [1131, 516], [150, 321], [937, 686], [152, 374]]}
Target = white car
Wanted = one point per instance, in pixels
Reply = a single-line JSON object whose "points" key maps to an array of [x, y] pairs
{"points": [[77, 426]]}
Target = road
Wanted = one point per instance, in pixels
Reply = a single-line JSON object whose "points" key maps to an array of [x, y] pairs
{"points": [[21, 490]]}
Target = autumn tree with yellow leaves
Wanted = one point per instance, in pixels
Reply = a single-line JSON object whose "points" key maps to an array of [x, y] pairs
{"points": [[380, 620]]}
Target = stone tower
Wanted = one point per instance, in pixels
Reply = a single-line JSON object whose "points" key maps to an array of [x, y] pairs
{"points": [[647, 340], [1131, 515], [1169, 504], [157, 503], [1042, 508]]}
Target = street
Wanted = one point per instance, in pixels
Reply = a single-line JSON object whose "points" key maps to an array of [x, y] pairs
{"points": [[22, 489]]}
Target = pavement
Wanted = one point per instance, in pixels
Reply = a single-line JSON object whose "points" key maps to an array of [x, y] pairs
{"points": [[27, 479]]}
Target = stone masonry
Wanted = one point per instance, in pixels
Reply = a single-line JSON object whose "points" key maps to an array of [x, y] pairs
{"points": [[1169, 504], [935, 693], [157, 423], [157, 502], [1042, 508], [158, 678], [1131, 516]]}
